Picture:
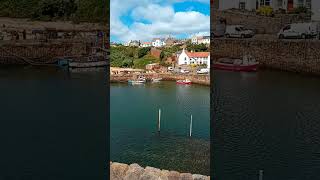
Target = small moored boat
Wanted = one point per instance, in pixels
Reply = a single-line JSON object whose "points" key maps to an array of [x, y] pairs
{"points": [[186, 81], [154, 80], [140, 80], [247, 64], [133, 82]]}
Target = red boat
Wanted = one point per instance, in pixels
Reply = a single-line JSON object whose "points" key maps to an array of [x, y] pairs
{"points": [[186, 81], [246, 65]]}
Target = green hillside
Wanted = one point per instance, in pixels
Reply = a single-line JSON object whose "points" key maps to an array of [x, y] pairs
{"points": [[48, 10]]}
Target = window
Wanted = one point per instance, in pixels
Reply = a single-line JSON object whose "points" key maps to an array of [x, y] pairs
{"points": [[242, 5], [267, 2], [286, 28]]}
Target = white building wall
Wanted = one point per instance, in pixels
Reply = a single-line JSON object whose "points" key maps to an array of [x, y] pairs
{"points": [[228, 4], [183, 58], [315, 7]]}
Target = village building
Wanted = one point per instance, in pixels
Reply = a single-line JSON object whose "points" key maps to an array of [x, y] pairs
{"points": [[198, 58], [132, 43], [170, 41], [153, 66], [158, 42], [204, 40], [200, 40], [146, 44], [287, 5]]}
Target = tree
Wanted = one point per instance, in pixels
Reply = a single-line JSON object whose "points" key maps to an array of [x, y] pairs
{"points": [[143, 51], [197, 47]]}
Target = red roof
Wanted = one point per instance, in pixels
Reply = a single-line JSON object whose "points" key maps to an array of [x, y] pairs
{"points": [[147, 43], [197, 54]]}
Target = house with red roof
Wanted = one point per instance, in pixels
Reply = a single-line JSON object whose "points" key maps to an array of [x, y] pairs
{"points": [[146, 44], [186, 58]]}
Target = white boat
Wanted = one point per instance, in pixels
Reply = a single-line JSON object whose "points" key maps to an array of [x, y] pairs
{"points": [[141, 78], [186, 81], [154, 80], [134, 82], [87, 64]]}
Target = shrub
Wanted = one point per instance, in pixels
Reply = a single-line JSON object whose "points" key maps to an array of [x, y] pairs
{"points": [[265, 11]]}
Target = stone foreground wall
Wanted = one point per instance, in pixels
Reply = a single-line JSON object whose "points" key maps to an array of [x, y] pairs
{"points": [[119, 171], [16, 53], [301, 56]]}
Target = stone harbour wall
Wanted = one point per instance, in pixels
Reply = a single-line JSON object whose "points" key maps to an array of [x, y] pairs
{"points": [[119, 171], [196, 79], [302, 56], [261, 24], [22, 52]]}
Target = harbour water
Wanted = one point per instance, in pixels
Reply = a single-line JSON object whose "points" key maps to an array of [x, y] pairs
{"points": [[134, 137], [52, 123], [266, 121]]}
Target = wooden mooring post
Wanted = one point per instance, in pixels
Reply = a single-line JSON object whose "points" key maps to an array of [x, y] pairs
{"points": [[260, 174], [159, 120], [190, 130]]}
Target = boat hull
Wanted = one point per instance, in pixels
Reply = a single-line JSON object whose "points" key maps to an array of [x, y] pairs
{"points": [[135, 82], [183, 83], [87, 64], [234, 67]]}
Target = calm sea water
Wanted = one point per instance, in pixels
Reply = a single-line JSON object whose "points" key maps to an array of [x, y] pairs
{"points": [[266, 121], [52, 124], [134, 137]]}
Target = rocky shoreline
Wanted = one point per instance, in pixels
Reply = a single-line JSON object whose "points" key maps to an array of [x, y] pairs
{"points": [[120, 171], [196, 79]]}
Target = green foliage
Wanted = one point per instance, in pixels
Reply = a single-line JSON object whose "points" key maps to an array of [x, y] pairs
{"points": [[76, 10], [143, 51], [197, 47], [300, 9], [168, 51], [122, 56], [142, 62], [265, 11], [119, 57], [55, 8]]}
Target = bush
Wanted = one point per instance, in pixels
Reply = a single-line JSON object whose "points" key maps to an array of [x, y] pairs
{"points": [[197, 47], [265, 11], [299, 10], [82, 10], [142, 62], [143, 51]]}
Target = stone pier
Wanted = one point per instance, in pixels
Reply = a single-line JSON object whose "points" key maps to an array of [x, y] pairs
{"points": [[119, 171]]}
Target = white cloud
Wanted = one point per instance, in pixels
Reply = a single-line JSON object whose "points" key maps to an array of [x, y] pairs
{"points": [[162, 20], [149, 13]]}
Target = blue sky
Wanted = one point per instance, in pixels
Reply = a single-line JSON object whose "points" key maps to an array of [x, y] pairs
{"points": [[146, 19]]}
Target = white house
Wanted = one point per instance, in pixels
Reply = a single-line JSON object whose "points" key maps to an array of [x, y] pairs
{"points": [[194, 40], [157, 42], [200, 40], [186, 58], [146, 44], [132, 43], [204, 40]]}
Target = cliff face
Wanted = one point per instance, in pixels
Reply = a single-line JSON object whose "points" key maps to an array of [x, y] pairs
{"points": [[119, 171]]}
